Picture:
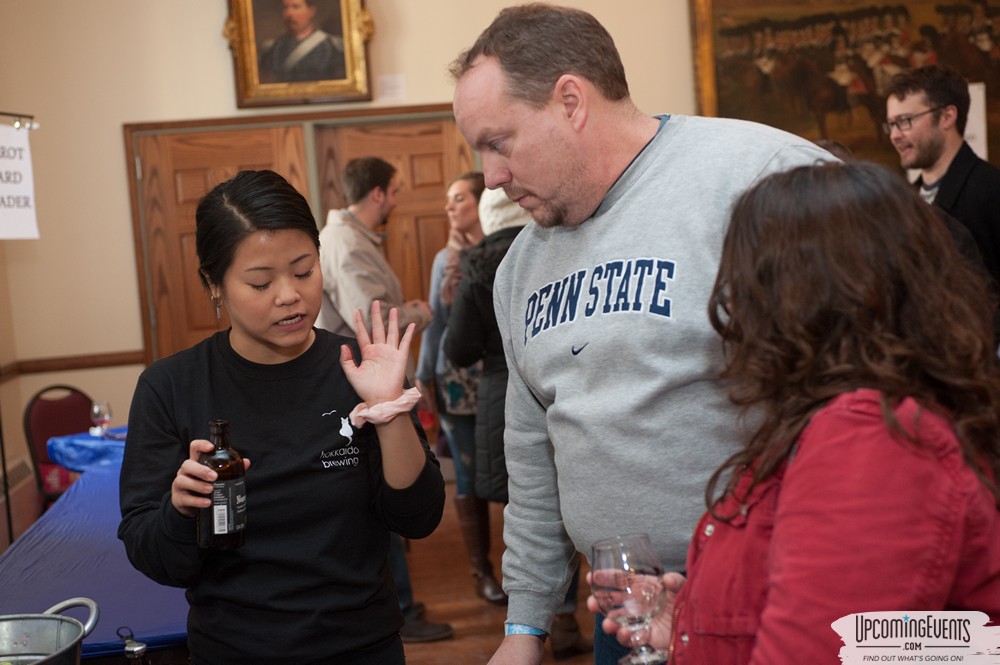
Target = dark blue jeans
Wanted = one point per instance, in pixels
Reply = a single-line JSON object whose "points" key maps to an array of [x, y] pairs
{"points": [[607, 651], [461, 433]]}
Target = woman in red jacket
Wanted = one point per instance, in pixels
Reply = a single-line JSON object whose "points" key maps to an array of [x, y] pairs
{"points": [[860, 343]]}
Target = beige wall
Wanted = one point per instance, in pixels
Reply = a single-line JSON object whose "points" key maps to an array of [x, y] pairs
{"points": [[86, 68]]}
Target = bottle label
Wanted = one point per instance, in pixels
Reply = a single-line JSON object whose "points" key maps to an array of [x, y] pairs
{"points": [[229, 506]]}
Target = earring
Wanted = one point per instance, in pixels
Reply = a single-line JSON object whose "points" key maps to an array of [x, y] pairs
{"points": [[217, 301]]}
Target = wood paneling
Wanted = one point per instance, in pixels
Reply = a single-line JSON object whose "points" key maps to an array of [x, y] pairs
{"points": [[68, 363]]}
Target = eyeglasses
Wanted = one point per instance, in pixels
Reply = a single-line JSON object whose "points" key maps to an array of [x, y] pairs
{"points": [[904, 122]]}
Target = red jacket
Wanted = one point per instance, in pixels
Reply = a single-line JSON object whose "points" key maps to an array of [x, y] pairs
{"points": [[858, 521]]}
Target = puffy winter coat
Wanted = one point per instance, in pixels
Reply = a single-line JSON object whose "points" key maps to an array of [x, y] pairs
{"points": [[473, 334]]}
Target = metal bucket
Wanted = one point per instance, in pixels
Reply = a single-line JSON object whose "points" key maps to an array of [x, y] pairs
{"points": [[46, 638]]}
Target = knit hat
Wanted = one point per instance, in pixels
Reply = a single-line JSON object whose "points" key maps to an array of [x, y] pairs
{"points": [[496, 212]]}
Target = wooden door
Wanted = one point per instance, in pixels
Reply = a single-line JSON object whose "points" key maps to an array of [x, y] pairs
{"points": [[174, 171]]}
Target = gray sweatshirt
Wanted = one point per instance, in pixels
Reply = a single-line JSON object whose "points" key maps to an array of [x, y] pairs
{"points": [[615, 414]]}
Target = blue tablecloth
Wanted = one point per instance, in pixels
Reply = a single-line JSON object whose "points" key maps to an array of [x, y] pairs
{"points": [[78, 452], [73, 550]]}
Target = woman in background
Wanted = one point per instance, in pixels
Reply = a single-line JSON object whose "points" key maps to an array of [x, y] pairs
{"points": [[312, 582], [856, 337], [452, 392]]}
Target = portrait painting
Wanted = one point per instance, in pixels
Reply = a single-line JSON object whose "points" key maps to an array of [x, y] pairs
{"points": [[820, 68], [299, 51]]}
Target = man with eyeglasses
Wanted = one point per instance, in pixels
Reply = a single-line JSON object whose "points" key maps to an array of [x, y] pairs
{"points": [[926, 112]]}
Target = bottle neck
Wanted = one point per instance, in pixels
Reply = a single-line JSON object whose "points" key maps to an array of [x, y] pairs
{"points": [[219, 434]]}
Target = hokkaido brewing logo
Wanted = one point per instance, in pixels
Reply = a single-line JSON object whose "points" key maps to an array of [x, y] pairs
{"points": [[345, 455], [918, 637]]}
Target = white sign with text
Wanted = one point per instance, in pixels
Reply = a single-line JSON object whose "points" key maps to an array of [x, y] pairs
{"points": [[918, 637], [17, 186]]}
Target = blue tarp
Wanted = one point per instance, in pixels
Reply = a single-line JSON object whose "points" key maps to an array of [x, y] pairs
{"points": [[73, 550]]}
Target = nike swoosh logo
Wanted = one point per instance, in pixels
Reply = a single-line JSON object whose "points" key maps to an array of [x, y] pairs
{"points": [[577, 351]]}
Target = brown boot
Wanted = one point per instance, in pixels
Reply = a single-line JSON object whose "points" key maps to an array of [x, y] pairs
{"points": [[566, 639], [474, 518]]}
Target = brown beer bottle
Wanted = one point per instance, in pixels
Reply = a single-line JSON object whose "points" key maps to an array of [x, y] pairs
{"points": [[222, 526]]}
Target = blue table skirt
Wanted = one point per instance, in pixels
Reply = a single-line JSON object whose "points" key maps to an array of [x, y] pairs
{"points": [[73, 550]]}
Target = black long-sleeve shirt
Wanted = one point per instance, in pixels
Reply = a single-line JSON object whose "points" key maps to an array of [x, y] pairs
{"points": [[312, 581]]}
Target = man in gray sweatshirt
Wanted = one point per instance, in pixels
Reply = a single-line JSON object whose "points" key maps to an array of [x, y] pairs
{"points": [[615, 413]]}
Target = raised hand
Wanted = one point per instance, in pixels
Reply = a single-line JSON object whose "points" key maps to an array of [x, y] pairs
{"points": [[380, 375]]}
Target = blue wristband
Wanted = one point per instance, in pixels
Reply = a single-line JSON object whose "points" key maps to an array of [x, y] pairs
{"points": [[521, 629]]}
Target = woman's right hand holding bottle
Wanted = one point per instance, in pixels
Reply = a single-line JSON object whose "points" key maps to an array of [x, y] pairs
{"points": [[192, 485]]}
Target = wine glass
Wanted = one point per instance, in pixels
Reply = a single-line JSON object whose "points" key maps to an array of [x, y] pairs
{"points": [[625, 577], [100, 415]]}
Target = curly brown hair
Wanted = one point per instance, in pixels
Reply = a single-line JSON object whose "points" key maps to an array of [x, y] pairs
{"points": [[836, 277]]}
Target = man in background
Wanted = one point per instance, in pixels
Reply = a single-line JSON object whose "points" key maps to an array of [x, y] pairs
{"points": [[926, 112], [615, 415], [355, 272]]}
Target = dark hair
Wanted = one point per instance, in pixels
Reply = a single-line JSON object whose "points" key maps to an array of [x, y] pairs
{"points": [[837, 277], [477, 183], [249, 202], [363, 174], [535, 44], [942, 85]]}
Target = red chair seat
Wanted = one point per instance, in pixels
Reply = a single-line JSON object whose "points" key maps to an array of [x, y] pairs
{"points": [[55, 479]]}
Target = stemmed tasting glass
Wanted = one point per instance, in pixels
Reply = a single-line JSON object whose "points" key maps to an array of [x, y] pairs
{"points": [[625, 578], [100, 415]]}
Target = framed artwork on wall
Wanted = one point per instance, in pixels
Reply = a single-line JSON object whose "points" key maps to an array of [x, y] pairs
{"points": [[819, 68], [299, 51]]}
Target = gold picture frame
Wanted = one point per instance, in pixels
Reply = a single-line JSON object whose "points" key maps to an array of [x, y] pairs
{"points": [[275, 69], [819, 68]]}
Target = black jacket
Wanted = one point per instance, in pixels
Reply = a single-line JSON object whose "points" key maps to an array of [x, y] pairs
{"points": [[473, 333], [970, 192]]}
